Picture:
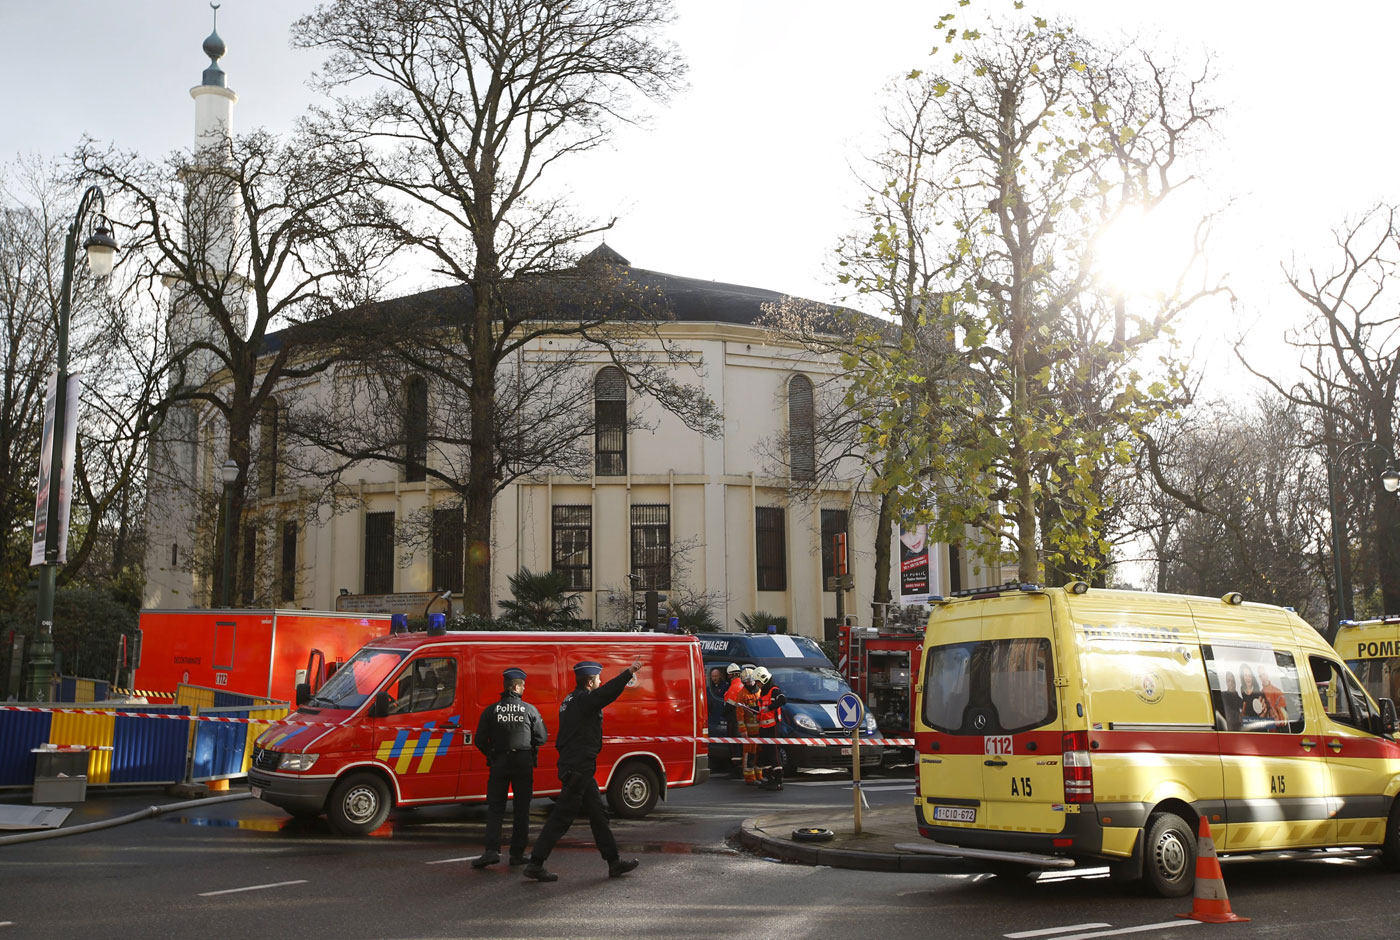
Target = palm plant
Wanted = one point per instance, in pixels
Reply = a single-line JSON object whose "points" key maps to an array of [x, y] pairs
{"points": [[542, 601]]}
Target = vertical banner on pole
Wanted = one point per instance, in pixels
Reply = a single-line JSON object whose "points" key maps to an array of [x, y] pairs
{"points": [[64, 492], [920, 573]]}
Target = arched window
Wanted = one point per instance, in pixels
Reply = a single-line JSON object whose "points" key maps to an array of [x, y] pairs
{"points": [[268, 433], [610, 422], [415, 429], [802, 438]]}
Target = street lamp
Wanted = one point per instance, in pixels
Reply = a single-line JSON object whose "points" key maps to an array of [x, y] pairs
{"points": [[101, 249], [228, 473], [1390, 479]]}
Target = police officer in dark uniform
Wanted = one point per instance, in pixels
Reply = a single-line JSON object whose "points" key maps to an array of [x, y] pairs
{"points": [[509, 733], [580, 740]]}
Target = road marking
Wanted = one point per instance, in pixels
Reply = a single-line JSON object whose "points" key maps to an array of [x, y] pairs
{"points": [[7, 923], [1053, 930], [444, 861], [1122, 930], [277, 884]]}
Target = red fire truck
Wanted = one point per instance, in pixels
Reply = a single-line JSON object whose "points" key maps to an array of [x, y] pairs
{"points": [[881, 666], [393, 726]]}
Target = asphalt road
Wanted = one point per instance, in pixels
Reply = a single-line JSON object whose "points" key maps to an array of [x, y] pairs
{"points": [[242, 869]]}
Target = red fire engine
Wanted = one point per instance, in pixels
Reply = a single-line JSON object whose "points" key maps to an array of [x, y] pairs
{"points": [[882, 667]]}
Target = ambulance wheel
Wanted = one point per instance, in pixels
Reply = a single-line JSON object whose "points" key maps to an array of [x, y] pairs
{"points": [[633, 791], [1169, 856], [359, 804], [1390, 851]]}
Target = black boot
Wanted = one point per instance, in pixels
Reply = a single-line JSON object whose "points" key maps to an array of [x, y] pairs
{"points": [[620, 866], [486, 859]]}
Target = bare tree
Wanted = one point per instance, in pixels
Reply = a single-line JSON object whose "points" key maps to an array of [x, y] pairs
{"points": [[112, 346], [251, 234], [468, 106]]}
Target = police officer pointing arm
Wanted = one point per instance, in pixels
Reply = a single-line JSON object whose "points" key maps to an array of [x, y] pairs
{"points": [[510, 734], [580, 740]]}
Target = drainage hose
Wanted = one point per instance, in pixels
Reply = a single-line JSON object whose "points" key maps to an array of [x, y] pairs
{"points": [[147, 813]]}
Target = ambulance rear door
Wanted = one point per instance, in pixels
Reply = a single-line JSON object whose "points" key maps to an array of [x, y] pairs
{"points": [[1022, 776], [989, 695]]}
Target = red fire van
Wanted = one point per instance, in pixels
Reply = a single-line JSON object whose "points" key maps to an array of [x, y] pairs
{"points": [[400, 715]]}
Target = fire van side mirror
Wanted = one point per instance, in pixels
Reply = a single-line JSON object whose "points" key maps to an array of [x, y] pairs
{"points": [[303, 693], [380, 708], [1388, 720]]}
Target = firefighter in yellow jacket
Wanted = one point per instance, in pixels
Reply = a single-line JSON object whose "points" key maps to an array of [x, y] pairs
{"points": [[746, 715]]}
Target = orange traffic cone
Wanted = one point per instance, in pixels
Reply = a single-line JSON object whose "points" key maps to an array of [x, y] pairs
{"points": [[1211, 904]]}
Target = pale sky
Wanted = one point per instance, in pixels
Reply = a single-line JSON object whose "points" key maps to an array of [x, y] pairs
{"points": [[746, 177]]}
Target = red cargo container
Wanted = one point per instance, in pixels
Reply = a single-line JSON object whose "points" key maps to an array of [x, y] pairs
{"points": [[253, 652]]}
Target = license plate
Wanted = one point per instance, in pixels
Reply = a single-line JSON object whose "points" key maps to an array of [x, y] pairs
{"points": [[845, 752], [965, 814], [256, 791]]}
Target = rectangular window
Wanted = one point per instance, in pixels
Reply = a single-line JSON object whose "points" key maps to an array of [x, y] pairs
{"points": [[610, 455], [447, 549], [772, 549], [651, 547], [379, 553], [955, 582], [833, 524], [989, 687], [1254, 688], [248, 573], [573, 545], [288, 579], [1342, 699]]}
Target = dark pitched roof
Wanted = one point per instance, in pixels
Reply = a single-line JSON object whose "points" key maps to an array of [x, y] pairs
{"points": [[689, 300]]}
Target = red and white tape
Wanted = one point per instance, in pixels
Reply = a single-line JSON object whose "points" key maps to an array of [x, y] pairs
{"points": [[611, 739]]}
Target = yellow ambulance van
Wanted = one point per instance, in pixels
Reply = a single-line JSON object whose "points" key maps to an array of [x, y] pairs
{"points": [[1372, 649], [1070, 726]]}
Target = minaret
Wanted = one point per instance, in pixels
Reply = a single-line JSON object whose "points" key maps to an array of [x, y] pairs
{"points": [[179, 482]]}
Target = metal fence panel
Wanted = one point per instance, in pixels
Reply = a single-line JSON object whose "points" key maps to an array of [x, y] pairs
{"points": [[19, 733]]}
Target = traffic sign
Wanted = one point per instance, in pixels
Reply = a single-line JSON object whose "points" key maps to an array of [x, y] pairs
{"points": [[849, 710]]}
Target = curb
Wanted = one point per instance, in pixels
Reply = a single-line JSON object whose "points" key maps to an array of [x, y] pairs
{"points": [[752, 836]]}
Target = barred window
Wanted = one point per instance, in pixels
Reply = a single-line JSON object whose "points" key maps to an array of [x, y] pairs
{"points": [[415, 429], [651, 546], [610, 422], [772, 549], [573, 545], [447, 549], [288, 580], [271, 427], [955, 583], [833, 524], [379, 553], [802, 440]]}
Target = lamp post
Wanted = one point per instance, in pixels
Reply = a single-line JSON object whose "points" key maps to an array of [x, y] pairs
{"points": [[1390, 480], [228, 473], [101, 249]]}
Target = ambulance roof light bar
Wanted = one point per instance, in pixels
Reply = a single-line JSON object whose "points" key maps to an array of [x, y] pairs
{"points": [[998, 590]]}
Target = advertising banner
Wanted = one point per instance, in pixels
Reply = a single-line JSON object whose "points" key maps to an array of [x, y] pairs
{"points": [[920, 571], [65, 484]]}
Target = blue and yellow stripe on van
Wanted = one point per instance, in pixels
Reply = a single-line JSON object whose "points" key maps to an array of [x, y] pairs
{"points": [[429, 744]]}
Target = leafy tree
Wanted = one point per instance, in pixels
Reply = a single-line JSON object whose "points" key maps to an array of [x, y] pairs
{"points": [[1026, 146], [467, 108], [542, 601]]}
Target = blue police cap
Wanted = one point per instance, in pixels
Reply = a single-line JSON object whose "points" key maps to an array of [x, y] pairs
{"points": [[512, 674], [584, 670]]}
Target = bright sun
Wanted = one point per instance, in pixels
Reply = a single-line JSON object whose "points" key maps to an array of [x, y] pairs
{"points": [[1145, 253]]}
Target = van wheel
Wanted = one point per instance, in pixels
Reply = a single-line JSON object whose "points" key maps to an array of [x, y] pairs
{"points": [[359, 804], [1390, 850], [1169, 856], [633, 791]]}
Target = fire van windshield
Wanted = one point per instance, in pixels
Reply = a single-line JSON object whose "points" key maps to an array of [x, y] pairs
{"points": [[357, 679]]}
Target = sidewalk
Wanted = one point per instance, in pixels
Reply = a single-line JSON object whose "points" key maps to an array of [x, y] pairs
{"points": [[872, 850]]}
